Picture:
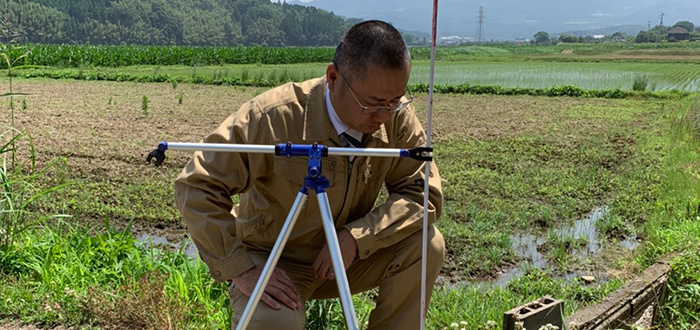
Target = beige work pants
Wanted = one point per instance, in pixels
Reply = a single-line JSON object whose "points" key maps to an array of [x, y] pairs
{"points": [[396, 270]]}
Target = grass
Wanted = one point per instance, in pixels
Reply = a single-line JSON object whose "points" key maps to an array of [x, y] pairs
{"points": [[103, 278]]}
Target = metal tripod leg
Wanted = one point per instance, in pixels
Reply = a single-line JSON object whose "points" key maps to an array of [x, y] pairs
{"points": [[272, 259], [333, 247], [341, 277]]}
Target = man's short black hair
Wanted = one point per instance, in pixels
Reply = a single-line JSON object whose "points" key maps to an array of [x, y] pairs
{"points": [[370, 42]]}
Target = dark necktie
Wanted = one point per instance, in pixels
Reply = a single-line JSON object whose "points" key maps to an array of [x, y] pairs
{"points": [[351, 139]]}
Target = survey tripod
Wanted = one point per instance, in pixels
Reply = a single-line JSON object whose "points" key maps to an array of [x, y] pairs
{"points": [[315, 181]]}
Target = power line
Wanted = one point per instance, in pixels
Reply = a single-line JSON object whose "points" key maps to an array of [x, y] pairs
{"points": [[662, 19], [480, 28]]}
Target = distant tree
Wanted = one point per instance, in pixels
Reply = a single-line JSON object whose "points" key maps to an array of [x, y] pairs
{"points": [[541, 37], [697, 29], [410, 39], [686, 24], [567, 38], [353, 21], [175, 22], [660, 30], [642, 36]]}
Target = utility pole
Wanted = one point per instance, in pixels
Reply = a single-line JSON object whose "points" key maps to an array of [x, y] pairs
{"points": [[662, 19], [480, 28], [648, 25]]}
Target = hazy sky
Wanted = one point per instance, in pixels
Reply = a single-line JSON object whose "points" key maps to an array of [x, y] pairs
{"points": [[518, 18]]}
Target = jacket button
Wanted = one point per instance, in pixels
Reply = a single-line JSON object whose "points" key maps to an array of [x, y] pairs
{"points": [[217, 273], [366, 252]]}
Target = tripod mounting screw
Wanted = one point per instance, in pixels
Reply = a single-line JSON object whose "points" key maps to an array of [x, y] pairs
{"points": [[421, 153]]}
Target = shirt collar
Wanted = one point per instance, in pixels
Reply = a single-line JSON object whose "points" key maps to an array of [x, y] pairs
{"points": [[338, 124]]}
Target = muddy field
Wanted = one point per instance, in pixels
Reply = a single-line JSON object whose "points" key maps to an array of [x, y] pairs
{"points": [[104, 130]]}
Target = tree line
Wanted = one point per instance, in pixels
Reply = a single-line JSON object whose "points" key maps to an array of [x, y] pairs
{"points": [[173, 22], [658, 33]]}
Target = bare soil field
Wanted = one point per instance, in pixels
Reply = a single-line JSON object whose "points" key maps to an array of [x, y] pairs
{"points": [[103, 132]]}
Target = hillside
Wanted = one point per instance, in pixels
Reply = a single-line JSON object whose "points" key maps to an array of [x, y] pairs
{"points": [[173, 22]]}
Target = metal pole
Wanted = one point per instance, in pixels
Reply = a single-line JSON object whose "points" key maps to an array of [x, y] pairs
{"points": [[341, 277], [273, 258], [270, 149], [242, 148], [426, 187]]}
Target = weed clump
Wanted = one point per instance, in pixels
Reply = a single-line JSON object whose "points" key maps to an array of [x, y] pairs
{"points": [[140, 304], [640, 83]]}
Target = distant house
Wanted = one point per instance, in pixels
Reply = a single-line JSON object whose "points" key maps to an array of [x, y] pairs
{"points": [[678, 33], [453, 40]]}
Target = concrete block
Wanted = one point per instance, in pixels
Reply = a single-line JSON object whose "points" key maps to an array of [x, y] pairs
{"points": [[535, 314]]}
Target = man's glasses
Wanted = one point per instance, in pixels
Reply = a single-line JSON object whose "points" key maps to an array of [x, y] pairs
{"points": [[393, 108]]}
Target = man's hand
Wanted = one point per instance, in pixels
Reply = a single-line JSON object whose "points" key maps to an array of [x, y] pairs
{"points": [[323, 266], [279, 288]]}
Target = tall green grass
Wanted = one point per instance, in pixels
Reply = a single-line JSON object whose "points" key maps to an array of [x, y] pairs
{"points": [[61, 274], [676, 227], [19, 176], [102, 277]]}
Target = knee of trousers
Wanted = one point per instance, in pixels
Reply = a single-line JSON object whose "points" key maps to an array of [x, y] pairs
{"points": [[436, 249], [265, 318]]}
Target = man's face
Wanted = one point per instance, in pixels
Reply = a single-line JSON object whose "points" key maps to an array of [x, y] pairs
{"points": [[378, 87]]}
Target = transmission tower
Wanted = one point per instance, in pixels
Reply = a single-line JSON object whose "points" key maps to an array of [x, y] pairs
{"points": [[480, 28], [662, 19]]}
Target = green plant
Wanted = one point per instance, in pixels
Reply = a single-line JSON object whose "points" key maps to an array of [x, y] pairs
{"points": [[144, 105], [18, 192], [640, 83], [681, 307], [10, 36], [179, 98]]}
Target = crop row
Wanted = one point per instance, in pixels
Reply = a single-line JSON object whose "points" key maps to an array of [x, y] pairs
{"points": [[568, 90], [118, 56]]}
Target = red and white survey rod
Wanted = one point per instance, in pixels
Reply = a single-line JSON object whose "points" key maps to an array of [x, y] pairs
{"points": [[424, 260]]}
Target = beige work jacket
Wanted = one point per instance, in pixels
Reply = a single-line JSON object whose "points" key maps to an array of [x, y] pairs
{"points": [[268, 185]]}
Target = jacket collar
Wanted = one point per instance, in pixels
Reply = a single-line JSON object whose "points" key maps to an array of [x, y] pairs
{"points": [[317, 123]]}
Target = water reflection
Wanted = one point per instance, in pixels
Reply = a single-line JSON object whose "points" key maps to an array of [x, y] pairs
{"points": [[159, 241], [528, 246]]}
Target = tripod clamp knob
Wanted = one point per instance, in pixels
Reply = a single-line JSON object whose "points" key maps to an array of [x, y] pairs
{"points": [[421, 153]]}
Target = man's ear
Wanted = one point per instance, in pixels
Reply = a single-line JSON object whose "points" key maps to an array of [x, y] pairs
{"points": [[332, 76]]}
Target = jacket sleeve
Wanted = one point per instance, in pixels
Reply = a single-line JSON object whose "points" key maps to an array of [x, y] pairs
{"points": [[204, 188], [402, 214]]}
